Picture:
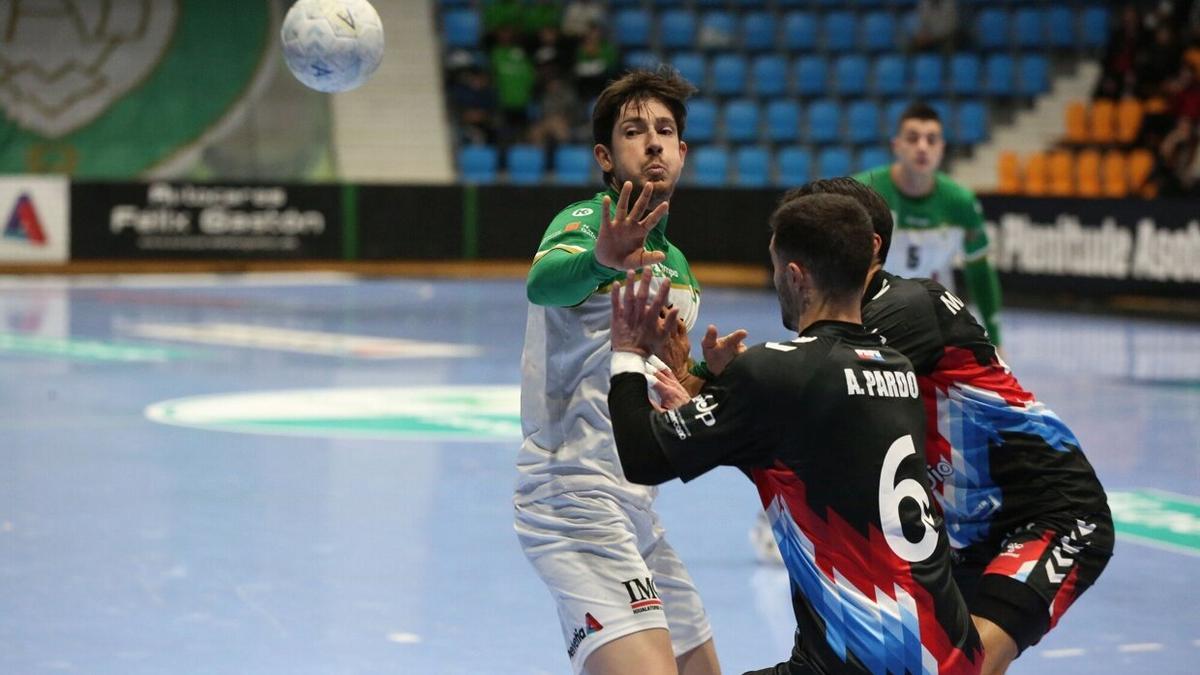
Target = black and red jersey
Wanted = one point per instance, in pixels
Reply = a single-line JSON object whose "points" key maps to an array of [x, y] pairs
{"points": [[997, 457], [829, 426]]}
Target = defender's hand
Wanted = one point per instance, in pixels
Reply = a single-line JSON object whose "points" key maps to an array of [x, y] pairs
{"points": [[720, 351], [622, 239], [637, 326]]}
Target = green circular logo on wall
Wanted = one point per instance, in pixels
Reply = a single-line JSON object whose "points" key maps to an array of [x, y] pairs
{"points": [[461, 413]]}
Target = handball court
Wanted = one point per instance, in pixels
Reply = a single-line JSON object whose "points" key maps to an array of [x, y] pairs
{"points": [[312, 473]]}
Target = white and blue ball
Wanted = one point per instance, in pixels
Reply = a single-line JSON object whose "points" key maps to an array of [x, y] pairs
{"points": [[332, 45]]}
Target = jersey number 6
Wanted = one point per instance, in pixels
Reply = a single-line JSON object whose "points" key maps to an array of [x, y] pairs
{"points": [[892, 493]]}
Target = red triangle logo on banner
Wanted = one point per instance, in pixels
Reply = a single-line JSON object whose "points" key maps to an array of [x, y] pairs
{"points": [[24, 222]]}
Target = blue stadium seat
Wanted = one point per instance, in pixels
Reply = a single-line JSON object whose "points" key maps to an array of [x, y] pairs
{"points": [[1029, 28], [927, 75], [795, 166], [525, 163], [741, 121], [850, 75], [750, 4], [677, 29], [710, 166], [841, 31], [640, 59], [833, 162], [701, 121], [709, 3], [810, 74], [1034, 75], [729, 74], [461, 28], [718, 30], [862, 122], [1093, 26], [879, 32], [891, 76], [891, 115], [824, 122], [769, 73], [991, 29], [692, 66], [872, 157], [753, 166], [999, 75], [964, 74], [1060, 27], [478, 163], [942, 106], [758, 31], [972, 122], [573, 164], [799, 32], [783, 121], [631, 29]]}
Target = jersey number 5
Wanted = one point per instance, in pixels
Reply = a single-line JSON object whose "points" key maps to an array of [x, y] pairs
{"points": [[892, 493]]}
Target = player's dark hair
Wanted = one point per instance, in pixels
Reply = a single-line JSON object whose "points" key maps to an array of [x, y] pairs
{"points": [[664, 84], [865, 195], [830, 235], [919, 111]]}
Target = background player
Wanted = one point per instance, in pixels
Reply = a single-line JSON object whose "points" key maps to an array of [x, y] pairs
{"points": [[1027, 518], [591, 535], [936, 219], [828, 426]]}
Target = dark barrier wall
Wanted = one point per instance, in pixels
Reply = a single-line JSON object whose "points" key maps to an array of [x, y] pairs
{"points": [[194, 221], [1092, 248], [1096, 247]]}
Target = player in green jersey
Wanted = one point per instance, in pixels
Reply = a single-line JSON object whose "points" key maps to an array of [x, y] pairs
{"points": [[626, 603], [936, 219]]}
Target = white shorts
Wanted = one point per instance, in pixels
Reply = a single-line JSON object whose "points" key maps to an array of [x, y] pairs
{"points": [[611, 573]]}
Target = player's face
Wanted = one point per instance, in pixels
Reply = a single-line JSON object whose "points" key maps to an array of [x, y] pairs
{"points": [[919, 145], [789, 300], [645, 148]]}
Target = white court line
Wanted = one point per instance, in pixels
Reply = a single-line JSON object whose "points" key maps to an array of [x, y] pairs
{"points": [[314, 278], [1196, 642], [1064, 653], [404, 638], [1140, 647]]}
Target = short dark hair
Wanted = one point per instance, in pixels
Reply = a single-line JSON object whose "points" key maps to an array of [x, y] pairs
{"points": [[664, 84], [866, 196], [830, 235], [919, 111]]}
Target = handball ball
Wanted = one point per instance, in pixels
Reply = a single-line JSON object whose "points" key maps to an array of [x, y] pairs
{"points": [[332, 45]]}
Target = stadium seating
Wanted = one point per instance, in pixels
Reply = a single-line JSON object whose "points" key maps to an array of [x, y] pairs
{"points": [[631, 28], [810, 74], [1076, 122], [879, 32], [478, 163], [1029, 29], [525, 164], [1129, 119], [799, 32], [965, 74], [710, 166], [783, 121], [741, 119], [1061, 169], [850, 75], [992, 29], [1035, 75], [840, 30], [872, 157], [769, 75], [1103, 127], [833, 162], [692, 66], [891, 75], [753, 166], [461, 28], [824, 122], [795, 165], [758, 32], [971, 123], [701, 121], [728, 74], [573, 164], [927, 75], [677, 29], [1114, 174], [1087, 168], [862, 122], [1008, 173]]}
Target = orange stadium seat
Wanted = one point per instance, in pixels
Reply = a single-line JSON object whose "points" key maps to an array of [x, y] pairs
{"points": [[1062, 173], [1008, 173], [1036, 183], [1103, 122], [1087, 167], [1140, 164], [1077, 127], [1115, 174], [1129, 119]]}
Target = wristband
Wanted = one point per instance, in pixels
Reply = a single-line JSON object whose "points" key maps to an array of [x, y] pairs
{"points": [[627, 362]]}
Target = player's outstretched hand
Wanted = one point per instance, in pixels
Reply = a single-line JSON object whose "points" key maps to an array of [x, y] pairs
{"points": [[621, 243], [639, 326], [671, 392], [719, 351]]}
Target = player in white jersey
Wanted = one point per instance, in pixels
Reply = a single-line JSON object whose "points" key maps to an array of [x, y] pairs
{"points": [[626, 603]]}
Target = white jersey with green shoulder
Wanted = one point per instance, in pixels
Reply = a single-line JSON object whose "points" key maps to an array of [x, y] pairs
{"points": [[931, 232], [568, 444]]}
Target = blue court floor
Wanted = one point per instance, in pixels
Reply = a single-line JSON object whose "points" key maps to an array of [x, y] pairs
{"points": [[311, 473]]}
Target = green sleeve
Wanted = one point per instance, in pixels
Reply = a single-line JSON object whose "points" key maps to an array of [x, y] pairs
{"points": [[983, 284], [565, 271]]}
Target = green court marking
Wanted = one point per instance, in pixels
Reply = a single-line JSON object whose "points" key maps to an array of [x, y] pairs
{"points": [[480, 425], [1160, 519], [349, 221], [85, 350]]}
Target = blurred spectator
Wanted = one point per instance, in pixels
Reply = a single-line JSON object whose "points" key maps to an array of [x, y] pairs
{"points": [[1120, 55], [559, 111], [1158, 62], [552, 53], [1172, 173], [514, 83], [580, 15], [541, 14], [1185, 100], [474, 103], [595, 63], [936, 25]]}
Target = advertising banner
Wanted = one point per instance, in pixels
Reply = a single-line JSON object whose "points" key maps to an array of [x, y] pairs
{"points": [[34, 212], [119, 221]]}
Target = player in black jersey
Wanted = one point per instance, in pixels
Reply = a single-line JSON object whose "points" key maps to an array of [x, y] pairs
{"points": [[828, 426], [1027, 518]]}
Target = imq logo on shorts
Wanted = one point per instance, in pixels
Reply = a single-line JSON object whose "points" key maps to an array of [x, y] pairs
{"points": [[643, 596]]}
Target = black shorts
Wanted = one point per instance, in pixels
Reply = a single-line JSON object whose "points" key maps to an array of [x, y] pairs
{"points": [[1026, 584]]}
